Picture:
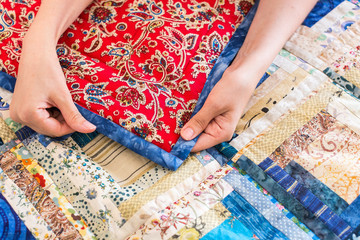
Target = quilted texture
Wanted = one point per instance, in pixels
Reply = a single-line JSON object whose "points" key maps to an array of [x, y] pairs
{"points": [[291, 170]]}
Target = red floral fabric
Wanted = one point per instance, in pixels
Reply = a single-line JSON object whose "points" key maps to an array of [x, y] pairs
{"points": [[141, 64]]}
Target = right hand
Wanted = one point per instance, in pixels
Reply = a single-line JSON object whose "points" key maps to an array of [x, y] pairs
{"points": [[41, 88]]}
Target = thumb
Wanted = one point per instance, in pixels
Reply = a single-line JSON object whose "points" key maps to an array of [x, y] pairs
{"points": [[197, 123], [73, 117]]}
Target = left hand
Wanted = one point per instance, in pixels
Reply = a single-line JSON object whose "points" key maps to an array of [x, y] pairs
{"points": [[217, 119]]}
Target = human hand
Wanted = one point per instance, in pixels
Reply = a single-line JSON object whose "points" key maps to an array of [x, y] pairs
{"points": [[217, 119], [41, 98]]}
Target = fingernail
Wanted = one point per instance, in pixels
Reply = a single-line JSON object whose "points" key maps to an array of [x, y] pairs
{"points": [[89, 125], [188, 133]]}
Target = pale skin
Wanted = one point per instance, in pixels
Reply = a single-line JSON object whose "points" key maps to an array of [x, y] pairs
{"points": [[41, 83]]}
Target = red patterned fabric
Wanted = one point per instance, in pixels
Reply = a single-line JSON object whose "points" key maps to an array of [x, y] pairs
{"points": [[141, 64]]}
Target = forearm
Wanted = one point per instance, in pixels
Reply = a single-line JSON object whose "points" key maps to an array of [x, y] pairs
{"points": [[53, 18], [275, 21]]}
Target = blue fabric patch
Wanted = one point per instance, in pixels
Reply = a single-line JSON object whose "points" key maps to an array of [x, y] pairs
{"points": [[3, 105], [263, 78], [323, 192], [352, 214], [230, 229], [204, 157], [250, 217], [11, 226], [44, 140], [356, 234], [82, 139], [7, 146], [24, 132], [307, 198], [226, 149], [7, 82], [131, 141], [248, 189], [321, 8], [218, 156], [286, 199]]}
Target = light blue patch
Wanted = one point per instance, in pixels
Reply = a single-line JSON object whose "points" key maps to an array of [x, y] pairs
{"points": [[230, 229]]}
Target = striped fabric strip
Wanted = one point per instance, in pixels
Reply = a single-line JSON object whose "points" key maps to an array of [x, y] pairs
{"points": [[269, 210], [307, 198], [226, 149], [285, 211], [320, 190], [20, 203], [82, 139], [250, 217], [289, 202], [24, 132], [38, 196]]}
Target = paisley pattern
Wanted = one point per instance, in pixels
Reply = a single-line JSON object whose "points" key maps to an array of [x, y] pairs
{"points": [[297, 142], [141, 64]]}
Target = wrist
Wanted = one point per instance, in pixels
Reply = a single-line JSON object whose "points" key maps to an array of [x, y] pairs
{"points": [[241, 78], [38, 38]]}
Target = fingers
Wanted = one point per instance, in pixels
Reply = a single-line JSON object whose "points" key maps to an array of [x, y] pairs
{"points": [[49, 121], [51, 126], [199, 122], [40, 121], [72, 116], [219, 130]]}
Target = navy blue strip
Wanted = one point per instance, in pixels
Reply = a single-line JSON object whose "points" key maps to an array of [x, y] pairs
{"points": [[323, 192], [289, 202], [307, 198], [24, 132], [82, 139], [226, 149]]}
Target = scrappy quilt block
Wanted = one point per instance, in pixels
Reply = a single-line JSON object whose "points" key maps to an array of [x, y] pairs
{"points": [[299, 136], [140, 64]]}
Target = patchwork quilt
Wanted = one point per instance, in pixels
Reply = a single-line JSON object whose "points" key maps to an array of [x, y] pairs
{"points": [[291, 171]]}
